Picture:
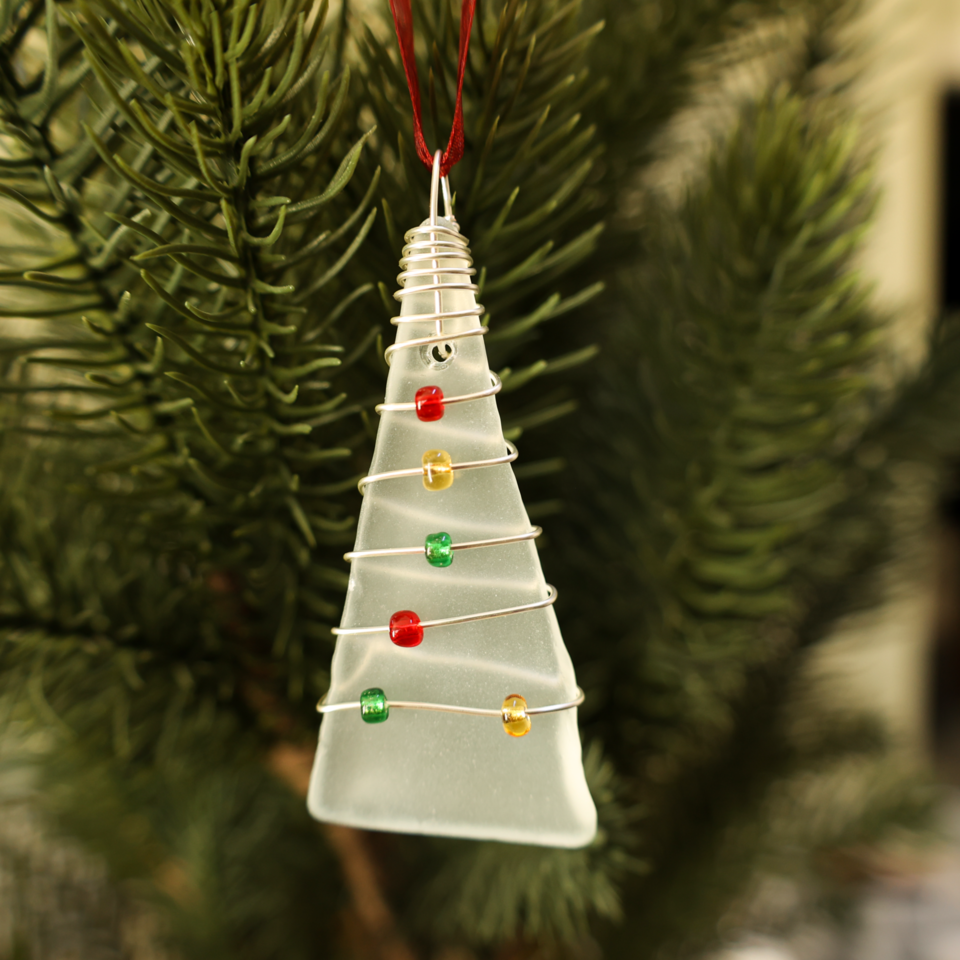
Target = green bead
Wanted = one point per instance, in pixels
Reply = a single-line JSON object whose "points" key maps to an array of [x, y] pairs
{"points": [[439, 549], [373, 705]]}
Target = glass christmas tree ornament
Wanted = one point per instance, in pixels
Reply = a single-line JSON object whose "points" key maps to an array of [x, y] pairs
{"points": [[373, 705], [429, 403], [405, 629], [436, 770], [515, 719], [437, 470], [439, 549]]}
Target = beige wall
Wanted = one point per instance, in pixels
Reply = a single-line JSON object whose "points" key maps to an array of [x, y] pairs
{"points": [[914, 57]]}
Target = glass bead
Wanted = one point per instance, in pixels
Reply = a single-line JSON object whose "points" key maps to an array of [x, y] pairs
{"points": [[429, 403], [405, 629], [439, 549], [437, 470], [373, 705], [515, 719]]}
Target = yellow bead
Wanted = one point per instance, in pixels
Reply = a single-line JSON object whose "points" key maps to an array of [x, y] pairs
{"points": [[437, 471], [515, 719]]}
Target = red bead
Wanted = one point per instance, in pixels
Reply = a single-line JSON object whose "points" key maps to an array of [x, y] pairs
{"points": [[405, 629], [429, 401]]}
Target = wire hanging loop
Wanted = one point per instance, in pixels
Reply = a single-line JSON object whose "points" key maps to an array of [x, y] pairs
{"points": [[434, 185], [435, 244], [437, 184]]}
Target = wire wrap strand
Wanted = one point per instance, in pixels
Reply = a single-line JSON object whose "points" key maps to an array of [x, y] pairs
{"points": [[428, 250], [420, 551], [491, 391], [323, 707], [509, 457], [548, 601]]}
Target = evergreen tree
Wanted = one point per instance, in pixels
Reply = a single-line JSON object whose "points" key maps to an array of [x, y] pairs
{"points": [[204, 203]]}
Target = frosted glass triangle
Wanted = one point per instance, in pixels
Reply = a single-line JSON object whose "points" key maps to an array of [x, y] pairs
{"points": [[440, 773]]}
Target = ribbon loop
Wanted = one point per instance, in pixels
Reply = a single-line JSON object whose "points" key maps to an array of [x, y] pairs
{"points": [[403, 22]]}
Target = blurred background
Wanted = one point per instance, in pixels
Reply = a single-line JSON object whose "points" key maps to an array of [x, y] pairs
{"points": [[723, 310]]}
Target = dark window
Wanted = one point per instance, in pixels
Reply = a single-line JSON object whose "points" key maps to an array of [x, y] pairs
{"points": [[950, 239]]}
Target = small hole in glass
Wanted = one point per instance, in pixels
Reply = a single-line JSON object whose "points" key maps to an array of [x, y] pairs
{"points": [[438, 354]]}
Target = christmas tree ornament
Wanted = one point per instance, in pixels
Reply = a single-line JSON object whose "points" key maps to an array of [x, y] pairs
{"points": [[450, 640]]}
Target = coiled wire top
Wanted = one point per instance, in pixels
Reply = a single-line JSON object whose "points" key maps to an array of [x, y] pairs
{"points": [[426, 255]]}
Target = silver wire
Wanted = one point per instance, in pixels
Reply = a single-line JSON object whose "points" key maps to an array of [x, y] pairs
{"points": [[434, 187], [479, 395], [413, 551], [444, 183], [510, 456], [426, 246], [425, 341], [323, 707], [550, 599], [447, 199]]}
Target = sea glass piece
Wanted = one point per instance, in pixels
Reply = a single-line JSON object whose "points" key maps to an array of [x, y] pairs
{"points": [[427, 772]]}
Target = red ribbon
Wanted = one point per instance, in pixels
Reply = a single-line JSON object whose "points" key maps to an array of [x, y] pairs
{"points": [[403, 21]]}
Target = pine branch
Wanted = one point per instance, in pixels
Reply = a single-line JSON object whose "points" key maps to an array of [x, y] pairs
{"points": [[369, 904], [524, 192], [227, 853], [492, 892], [217, 373], [655, 55], [769, 800], [756, 349]]}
